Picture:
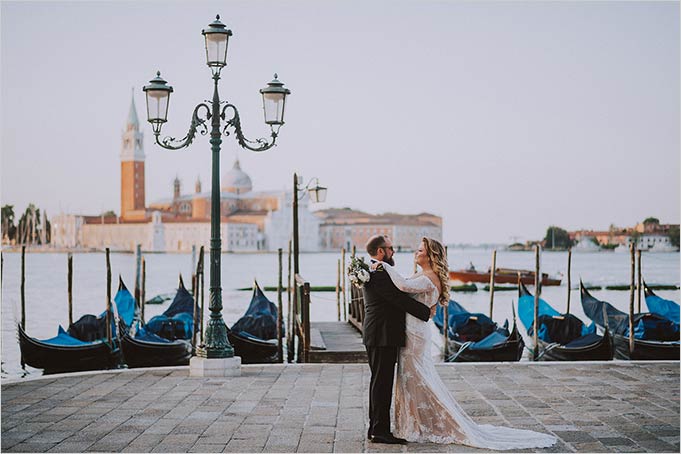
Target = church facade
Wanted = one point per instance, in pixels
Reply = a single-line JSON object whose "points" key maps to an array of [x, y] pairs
{"points": [[249, 220]]}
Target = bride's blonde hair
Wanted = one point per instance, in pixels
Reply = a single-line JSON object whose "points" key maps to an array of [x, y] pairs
{"points": [[438, 261]]}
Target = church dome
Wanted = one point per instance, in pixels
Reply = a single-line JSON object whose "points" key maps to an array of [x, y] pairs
{"points": [[236, 180]]}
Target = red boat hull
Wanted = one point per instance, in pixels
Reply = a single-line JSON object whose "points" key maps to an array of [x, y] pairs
{"points": [[501, 277]]}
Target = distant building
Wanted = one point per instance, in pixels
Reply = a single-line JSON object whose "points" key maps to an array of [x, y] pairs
{"points": [[649, 235], [344, 227], [250, 221]]}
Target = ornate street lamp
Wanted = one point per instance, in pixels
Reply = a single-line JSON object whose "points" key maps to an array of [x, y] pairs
{"points": [[222, 120]]}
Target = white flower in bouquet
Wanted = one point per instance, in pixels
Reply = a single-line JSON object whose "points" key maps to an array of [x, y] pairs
{"points": [[358, 272]]}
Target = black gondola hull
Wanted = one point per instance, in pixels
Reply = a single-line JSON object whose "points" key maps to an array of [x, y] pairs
{"points": [[139, 353], [645, 350], [511, 350], [252, 351], [603, 350], [57, 359]]}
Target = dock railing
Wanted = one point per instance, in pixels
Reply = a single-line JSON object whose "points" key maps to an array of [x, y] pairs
{"points": [[302, 317], [356, 307]]}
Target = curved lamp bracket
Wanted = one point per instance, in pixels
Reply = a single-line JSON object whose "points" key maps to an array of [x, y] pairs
{"points": [[256, 145], [198, 123]]}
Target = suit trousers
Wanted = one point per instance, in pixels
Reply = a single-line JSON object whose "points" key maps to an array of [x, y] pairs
{"points": [[382, 362]]}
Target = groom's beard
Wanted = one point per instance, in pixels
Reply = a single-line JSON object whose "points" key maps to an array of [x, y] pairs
{"points": [[390, 261]]}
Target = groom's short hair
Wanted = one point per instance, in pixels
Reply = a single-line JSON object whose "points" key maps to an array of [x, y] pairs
{"points": [[374, 243]]}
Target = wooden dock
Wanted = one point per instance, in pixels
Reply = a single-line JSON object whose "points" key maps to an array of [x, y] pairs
{"points": [[336, 342]]}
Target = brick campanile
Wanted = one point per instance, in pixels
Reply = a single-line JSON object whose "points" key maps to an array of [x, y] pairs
{"points": [[132, 169]]}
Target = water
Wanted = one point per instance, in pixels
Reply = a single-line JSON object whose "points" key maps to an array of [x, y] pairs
{"points": [[47, 304]]}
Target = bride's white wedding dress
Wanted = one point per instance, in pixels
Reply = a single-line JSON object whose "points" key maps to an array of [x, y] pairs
{"points": [[425, 411]]}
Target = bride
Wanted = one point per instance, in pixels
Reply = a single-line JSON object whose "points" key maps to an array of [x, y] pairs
{"points": [[425, 411]]}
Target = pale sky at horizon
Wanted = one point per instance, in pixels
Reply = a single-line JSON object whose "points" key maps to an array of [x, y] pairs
{"points": [[501, 117]]}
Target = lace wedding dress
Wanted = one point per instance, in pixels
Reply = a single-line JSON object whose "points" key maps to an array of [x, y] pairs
{"points": [[425, 411]]}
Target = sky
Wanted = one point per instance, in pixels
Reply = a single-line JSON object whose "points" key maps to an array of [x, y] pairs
{"points": [[501, 117]]}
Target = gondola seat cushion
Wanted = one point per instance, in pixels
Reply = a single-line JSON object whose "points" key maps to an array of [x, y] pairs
{"points": [[178, 326], [649, 326], [89, 328]]}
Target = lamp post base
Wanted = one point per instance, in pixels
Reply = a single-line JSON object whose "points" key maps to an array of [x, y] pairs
{"points": [[215, 367]]}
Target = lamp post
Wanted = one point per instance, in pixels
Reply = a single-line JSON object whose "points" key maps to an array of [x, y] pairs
{"points": [[317, 194], [223, 117]]}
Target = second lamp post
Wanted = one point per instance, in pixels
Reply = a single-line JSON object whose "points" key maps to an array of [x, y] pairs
{"points": [[216, 344]]}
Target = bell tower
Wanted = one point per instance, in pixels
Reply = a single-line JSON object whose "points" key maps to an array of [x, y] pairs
{"points": [[132, 168]]}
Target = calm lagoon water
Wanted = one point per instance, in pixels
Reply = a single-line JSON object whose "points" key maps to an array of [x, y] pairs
{"points": [[47, 306]]}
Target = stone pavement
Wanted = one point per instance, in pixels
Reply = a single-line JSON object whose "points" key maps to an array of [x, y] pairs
{"points": [[591, 407]]}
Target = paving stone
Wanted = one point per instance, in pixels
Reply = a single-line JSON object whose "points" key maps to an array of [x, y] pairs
{"points": [[70, 446]]}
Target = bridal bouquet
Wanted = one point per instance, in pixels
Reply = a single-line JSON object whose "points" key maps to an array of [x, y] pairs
{"points": [[358, 271]]}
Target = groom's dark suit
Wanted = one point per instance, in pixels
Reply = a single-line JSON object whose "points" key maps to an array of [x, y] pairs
{"points": [[383, 334]]}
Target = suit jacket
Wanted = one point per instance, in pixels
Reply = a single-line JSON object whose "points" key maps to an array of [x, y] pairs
{"points": [[384, 312]]}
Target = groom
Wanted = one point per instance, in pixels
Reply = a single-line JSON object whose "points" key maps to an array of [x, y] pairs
{"points": [[383, 334]]}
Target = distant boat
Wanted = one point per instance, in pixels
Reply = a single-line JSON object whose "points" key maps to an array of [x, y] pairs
{"points": [[474, 337], [586, 244], [501, 276], [562, 337], [254, 335], [142, 348], [655, 337]]}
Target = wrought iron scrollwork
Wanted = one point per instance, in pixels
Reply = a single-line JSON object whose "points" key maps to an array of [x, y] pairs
{"points": [[198, 123], [256, 145]]}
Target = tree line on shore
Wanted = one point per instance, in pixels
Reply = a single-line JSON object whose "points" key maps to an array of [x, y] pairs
{"points": [[33, 227]]}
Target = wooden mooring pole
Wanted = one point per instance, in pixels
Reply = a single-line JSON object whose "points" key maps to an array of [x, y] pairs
{"points": [[143, 296], [69, 285], [569, 281], [639, 287], [491, 282], [195, 297], [108, 299], [23, 287], [535, 353], [203, 281], [338, 282], [345, 304], [138, 271], [631, 298], [280, 315], [290, 339], [445, 321]]}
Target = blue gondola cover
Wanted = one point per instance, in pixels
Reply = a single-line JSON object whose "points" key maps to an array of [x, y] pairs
{"points": [[665, 308], [177, 322], [260, 319], [64, 339]]}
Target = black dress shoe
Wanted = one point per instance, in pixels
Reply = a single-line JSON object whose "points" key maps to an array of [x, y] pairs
{"points": [[389, 439]]}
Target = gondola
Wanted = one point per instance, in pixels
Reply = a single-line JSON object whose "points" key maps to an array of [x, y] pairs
{"points": [[142, 348], [655, 337], [474, 337], [65, 353], [562, 337], [83, 347], [254, 336], [666, 308]]}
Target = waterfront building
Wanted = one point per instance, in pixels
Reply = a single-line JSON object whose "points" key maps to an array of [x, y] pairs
{"points": [[345, 227], [649, 235], [250, 220]]}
